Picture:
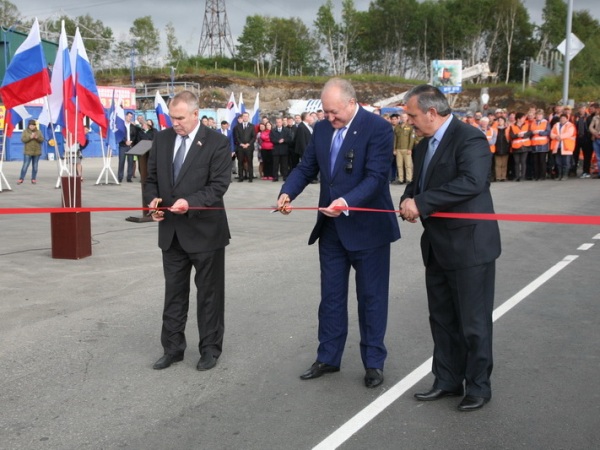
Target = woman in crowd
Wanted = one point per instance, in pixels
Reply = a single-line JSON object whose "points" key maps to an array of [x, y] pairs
{"points": [[540, 130], [502, 149], [32, 150], [148, 131], [563, 137], [266, 148], [520, 144]]}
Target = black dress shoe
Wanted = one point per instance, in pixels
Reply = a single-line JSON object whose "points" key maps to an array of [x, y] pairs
{"points": [[207, 361], [436, 394], [240, 180], [471, 403], [373, 378], [318, 369], [166, 361]]}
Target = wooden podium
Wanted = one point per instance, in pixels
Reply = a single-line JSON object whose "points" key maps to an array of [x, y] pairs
{"points": [[71, 231], [141, 150]]}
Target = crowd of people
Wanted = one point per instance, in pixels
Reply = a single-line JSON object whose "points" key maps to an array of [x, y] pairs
{"points": [[532, 145], [528, 145]]}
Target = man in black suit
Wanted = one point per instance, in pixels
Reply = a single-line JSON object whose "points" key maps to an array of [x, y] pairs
{"points": [[129, 140], [281, 138], [303, 135], [189, 169], [244, 136], [451, 175]]}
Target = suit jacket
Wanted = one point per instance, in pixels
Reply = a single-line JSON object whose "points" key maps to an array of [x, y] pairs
{"points": [[280, 149], [370, 138], [134, 132], [302, 138], [229, 136], [244, 136], [456, 181], [203, 180]]}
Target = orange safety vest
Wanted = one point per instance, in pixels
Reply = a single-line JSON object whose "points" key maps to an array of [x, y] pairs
{"points": [[536, 139], [519, 142], [489, 134], [567, 134]]}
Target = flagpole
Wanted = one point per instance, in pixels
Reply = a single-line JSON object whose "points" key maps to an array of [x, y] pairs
{"points": [[59, 163], [2, 177]]}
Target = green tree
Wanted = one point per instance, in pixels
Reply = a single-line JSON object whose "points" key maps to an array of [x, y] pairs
{"points": [[586, 65], [9, 14], [147, 39], [291, 49], [253, 44], [328, 32], [175, 52]]}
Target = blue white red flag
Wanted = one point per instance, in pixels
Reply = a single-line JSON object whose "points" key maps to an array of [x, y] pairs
{"points": [[88, 100], [256, 111], [26, 77], [13, 117], [162, 112], [60, 108]]}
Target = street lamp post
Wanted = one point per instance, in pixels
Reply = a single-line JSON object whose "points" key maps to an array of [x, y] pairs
{"points": [[172, 93], [133, 53]]}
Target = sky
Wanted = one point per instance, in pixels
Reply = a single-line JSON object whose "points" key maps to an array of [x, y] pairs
{"points": [[187, 15]]}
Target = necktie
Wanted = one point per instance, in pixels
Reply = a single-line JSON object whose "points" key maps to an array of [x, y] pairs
{"points": [[335, 146], [432, 145], [179, 157]]}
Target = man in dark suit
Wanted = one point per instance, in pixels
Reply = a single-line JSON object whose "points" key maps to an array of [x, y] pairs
{"points": [[281, 138], [189, 169], [226, 131], [353, 152], [244, 136], [452, 175], [129, 140], [302, 137]]}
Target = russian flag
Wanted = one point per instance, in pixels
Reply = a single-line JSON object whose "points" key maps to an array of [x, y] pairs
{"points": [[26, 77], [162, 112], [256, 111], [88, 100], [60, 109], [13, 117]]}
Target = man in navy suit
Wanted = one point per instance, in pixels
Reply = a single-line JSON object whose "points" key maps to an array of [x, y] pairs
{"points": [[451, 174], [189, 168], [353, 151]]}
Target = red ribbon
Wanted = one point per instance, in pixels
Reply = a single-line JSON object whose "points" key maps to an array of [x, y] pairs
{"points": [[539, 218]]}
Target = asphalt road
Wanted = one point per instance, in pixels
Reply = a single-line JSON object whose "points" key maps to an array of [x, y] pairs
{"points": [[78, 337]]}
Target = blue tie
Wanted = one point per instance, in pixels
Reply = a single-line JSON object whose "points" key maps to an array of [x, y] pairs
{"points": [[179, 157], [431, 146], [335, 146]]}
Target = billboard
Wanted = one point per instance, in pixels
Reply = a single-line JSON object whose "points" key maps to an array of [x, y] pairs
{"points": [[446, 75]]}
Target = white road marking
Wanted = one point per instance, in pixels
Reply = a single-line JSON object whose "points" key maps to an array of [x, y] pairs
{"points": [[363, 417], [596, 237], [585, 246]]}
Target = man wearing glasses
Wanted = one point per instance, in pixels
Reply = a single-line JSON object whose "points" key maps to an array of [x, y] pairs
{"points": [[352, 150]]}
